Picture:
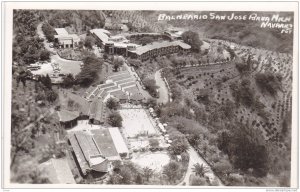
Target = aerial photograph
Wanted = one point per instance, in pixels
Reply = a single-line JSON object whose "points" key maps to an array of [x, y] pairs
{"points": [[151, 98]]}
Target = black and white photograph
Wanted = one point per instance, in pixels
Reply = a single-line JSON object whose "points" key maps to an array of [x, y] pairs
{"points": [[151, 97]]}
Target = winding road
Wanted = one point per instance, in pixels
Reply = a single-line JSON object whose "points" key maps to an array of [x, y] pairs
{"points": [[163, 90]]}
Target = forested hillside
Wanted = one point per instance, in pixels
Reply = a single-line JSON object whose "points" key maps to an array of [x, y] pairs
{"points": [[77, 21]]}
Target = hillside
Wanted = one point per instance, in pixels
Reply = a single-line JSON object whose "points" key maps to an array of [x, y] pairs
{"points": [[243, 32]]}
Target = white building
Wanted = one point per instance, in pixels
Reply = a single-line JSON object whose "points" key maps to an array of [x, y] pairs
{"points": [[66, 40]]}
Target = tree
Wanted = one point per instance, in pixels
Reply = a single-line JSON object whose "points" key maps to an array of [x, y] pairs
{"points": [[147, 173], [80, 45], [154, 143], [171, 170], [51, 95], [89, 42], [115, 119], [269, 82], [89, 73], [200, 170], [48, 31], [151, 102], [139, 179], [45, 80], [45, 55], [112, 103], [68, 81], [179, 145], [151, 86], [117, 63], [246, 149], [223, 167], [192, 38]]}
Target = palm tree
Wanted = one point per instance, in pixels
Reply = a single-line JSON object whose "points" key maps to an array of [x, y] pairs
{"points": [[200, 170], [147, 173]]}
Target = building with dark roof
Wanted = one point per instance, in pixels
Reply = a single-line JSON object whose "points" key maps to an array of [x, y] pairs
{"points": [[68, 119], [87, 152], [95, 149], [97, 112]]}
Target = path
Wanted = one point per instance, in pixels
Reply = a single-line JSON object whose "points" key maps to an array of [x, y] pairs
{"points": [[196, 158], [41, 35], [163, 90]]}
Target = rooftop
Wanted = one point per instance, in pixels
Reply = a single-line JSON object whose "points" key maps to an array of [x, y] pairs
{"points": [[97, 110], [104, 141], [65, 115], [102, 34], [61, 31], [62, 34], [118, 140], [86, 150], [157, 45]]}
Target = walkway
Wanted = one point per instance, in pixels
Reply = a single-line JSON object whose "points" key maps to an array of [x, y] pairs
{"points": [[196, 158]]}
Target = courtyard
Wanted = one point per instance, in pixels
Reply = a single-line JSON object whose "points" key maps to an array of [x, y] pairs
{"points": [[136, 122], [155, 161]]}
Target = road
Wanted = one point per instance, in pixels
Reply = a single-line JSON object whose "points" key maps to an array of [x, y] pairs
{"points": [[196, 158], [41, 35], [163, 90]]}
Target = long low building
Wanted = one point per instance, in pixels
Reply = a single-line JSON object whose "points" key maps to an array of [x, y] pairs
{"points": [[121, 46], [158, 49]]}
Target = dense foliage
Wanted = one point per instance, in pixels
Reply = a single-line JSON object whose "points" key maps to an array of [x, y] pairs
{"points": [[192, 38], [89, 72], [269, 82]]}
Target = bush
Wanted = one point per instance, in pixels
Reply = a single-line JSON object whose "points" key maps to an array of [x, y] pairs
{"points": [[44, 55], [115, 119], [151, 86], [112, 103], [269, 82], [89, 73], [49, 32], [192, 38]]}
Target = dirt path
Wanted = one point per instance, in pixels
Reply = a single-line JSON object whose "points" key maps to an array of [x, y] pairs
{"points": [[163, 90], [195, 158]]}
